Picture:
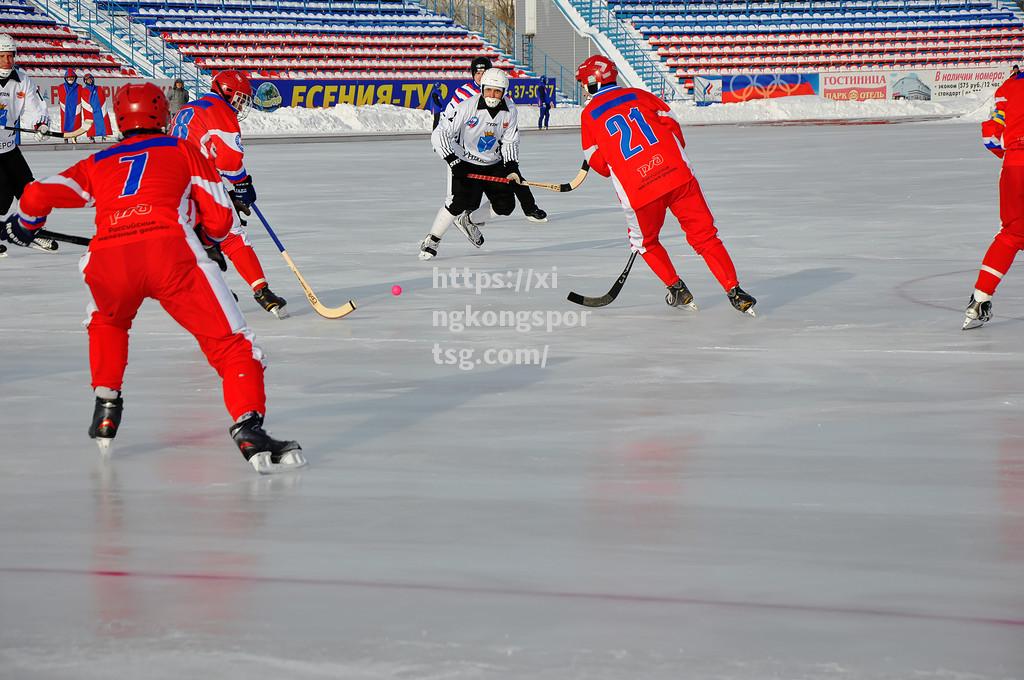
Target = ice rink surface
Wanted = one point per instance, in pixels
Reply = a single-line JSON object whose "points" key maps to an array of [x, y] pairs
{"points": [[834, 489]]}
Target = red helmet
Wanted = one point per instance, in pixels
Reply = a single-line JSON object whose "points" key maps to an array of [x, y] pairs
{"points": [[141, 107], [596, 71], [235, 88], [70, 74]]}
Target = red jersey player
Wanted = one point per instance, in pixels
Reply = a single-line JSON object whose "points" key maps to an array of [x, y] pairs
{"points": [[631, 136], [211, 122], [151, 192], [1004, 136]]}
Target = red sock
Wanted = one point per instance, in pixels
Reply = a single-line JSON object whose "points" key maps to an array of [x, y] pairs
{"points": [[658, 260], [717, 258], [108, 355], [244, 258], [995, 264], [243, 388]]}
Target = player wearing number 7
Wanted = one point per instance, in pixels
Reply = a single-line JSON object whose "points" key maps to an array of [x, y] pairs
{"points": [[158, 200], [631, 136]]}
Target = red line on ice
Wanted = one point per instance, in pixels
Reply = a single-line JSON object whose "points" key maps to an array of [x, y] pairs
{"points": [[523, 592]]}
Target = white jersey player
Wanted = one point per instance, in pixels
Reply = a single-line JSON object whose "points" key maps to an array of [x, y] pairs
{"points": [[21, 105], [443, 219], [480, 135]]}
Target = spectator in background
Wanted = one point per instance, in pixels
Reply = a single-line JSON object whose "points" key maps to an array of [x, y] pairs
{"points": [[435, 104], [94, 113], [544, 102], [69, 95], [178, 97]]}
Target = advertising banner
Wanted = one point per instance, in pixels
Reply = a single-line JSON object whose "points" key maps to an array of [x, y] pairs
{"points": [[707, 90], [413, 94], [912, 85], [855, 86], [745, 87]]}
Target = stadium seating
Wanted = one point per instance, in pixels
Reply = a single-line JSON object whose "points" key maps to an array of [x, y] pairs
{"points": [[316, 38], [49, 49], [778, 36]]}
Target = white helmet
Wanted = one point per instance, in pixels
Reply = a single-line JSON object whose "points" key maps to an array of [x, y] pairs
{"points": [[7, 44], [496, 78]]}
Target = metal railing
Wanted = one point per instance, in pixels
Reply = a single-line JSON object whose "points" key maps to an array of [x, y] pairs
{"points": [[129, 41], [476, 18], [565, 79], [494, 30], [653, 72], [252, 5]]}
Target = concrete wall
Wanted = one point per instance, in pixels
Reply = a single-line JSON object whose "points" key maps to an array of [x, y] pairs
{"points": [[556, 37]]}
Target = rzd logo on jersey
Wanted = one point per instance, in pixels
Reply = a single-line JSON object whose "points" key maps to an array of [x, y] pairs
{"points": [[124, 213], [647, 167], [486, 143]]}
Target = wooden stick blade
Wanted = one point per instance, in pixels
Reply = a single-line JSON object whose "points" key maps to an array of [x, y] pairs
{"points": [[314, 301]]}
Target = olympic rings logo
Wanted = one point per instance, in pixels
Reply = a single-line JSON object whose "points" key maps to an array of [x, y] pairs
{"points": [[744, 87]]}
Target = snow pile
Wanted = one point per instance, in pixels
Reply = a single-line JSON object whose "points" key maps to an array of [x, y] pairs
{"points": [[378, 118], [814, 108], [339, 119], [384, 118]]}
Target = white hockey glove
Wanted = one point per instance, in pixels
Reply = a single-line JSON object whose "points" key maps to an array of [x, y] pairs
{"points": [[41, 130]]}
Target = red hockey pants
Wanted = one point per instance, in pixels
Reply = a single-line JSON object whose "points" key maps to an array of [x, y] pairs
{"points": [[688, 205], [1010, 239], [175, 272]]}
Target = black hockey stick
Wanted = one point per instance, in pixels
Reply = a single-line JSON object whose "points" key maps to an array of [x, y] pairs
{"points": [[608, 297], [66, 238]]}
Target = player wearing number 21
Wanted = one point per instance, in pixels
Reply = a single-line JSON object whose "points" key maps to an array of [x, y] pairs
{"points": [[631, 136]]}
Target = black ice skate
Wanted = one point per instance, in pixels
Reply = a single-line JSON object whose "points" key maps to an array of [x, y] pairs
{"points": [[266, 454], [537, 215], [742, 300], [977, 313], [680, 296], [429, 246], [271, 302], [106, 418], [470, 228]]}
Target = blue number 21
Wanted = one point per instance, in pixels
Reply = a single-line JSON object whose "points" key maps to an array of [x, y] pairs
{"points": [[138, 166], [618, 125]]}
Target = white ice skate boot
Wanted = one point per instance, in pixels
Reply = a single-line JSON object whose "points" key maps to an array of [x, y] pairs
{"points": [[470, 229], [45, 244], [977, 313], [429, 246]]}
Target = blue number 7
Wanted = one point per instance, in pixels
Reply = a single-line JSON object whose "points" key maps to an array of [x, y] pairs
{"points": [[138, 166]]}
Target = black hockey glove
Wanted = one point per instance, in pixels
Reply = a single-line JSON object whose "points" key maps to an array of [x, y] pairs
{"points": [[512, 172], [212, 249], [12, 232], [243, 194], [460, 168]]}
